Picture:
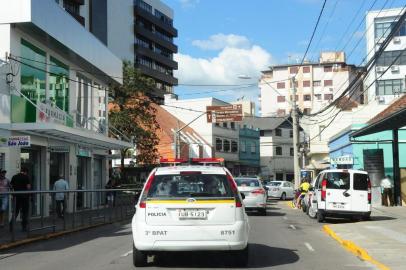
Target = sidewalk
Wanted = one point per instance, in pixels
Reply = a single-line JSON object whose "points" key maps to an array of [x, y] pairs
{"points": [[52, 224], [383, 237]]}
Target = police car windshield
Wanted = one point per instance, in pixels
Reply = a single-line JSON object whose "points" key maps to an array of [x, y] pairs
{"points": [[194, 185]]}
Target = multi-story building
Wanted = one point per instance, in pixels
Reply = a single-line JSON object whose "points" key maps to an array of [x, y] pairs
{"points": [[53, 93], [317, 84], [391, 84], [249, 150], [139, 31]]}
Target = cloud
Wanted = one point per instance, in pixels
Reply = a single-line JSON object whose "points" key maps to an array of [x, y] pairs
{"points": [[189, 3], [221, 41], [224, 68]]}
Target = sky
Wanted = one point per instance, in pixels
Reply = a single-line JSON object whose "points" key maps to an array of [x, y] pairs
{"points": [[220, 40]]}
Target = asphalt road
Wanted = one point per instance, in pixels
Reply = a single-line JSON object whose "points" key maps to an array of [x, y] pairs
{"points": [[284, 239]]}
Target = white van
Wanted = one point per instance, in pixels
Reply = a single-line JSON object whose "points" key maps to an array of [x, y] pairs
{"points": [[340, 192]]}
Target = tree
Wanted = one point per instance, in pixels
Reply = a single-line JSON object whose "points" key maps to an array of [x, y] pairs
{"points": [[132, 114]]}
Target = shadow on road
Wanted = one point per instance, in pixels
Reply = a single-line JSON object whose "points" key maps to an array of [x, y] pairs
{"points": [[343, 220], [260, 256]]}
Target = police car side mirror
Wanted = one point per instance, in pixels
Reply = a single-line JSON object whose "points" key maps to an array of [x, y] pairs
{"points": [[242, 196]]}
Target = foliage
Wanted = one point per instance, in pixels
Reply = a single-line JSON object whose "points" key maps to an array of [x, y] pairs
{"points": [[132, 114]]}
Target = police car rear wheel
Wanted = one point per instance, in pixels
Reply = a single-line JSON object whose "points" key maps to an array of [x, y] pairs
{"points": [[140, 258], [241, 257]]}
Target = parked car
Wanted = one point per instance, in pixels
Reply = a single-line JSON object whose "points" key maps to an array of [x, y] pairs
{"points": [[190, 208], [254, 193], [281, 189], [341, 193]]}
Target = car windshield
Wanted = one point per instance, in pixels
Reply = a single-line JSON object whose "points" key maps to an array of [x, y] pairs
{"points": [[246, 182], [193, 185], [275, 184]]}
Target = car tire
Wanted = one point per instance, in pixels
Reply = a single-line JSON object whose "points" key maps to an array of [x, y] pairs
{"points": [[366, 217], [283, 196], [311, 212], [241, 257], [140, 258], [320, 217]]}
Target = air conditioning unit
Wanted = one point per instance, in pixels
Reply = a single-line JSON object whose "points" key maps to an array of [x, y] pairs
{"points": [[396, 40], [380, 69], [380, 99], [394, 68]]}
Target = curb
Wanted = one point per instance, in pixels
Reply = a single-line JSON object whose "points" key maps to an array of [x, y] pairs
{"points": [[290, 204], [10, 245], [353, 248]]}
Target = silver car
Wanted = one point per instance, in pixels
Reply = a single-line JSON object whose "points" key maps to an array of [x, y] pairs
{"points": [[254, 193]]}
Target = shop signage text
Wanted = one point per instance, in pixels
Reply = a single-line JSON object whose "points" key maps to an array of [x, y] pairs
{"points": [[342, 160], [15, 141]]}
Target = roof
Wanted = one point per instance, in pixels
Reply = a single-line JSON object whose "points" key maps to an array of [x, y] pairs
{"points": [[393, 117], [193, 168], [266, 122]]}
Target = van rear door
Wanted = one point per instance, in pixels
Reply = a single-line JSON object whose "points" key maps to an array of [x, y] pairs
{"points": [[338, 192], [359, 192]]}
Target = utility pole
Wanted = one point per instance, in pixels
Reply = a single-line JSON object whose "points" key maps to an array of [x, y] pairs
{"points": [[295, 119]]}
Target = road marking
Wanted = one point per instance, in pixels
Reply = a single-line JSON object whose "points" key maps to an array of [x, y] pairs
{"points": [[285, 218], [127, 253], [292, 226], [309, 247]]}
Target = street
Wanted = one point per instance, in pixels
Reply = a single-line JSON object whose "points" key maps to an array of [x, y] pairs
{"points": [[284, 239]]}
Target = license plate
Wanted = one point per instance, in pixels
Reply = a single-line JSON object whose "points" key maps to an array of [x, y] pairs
{"points": [[338, 206], [192, 214]]}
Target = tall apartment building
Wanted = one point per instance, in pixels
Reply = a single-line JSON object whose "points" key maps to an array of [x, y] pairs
{"points": [[140, 31], [391, 84], [317, 84]]}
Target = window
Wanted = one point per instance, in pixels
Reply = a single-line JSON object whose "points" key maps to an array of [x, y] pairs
{"points": [[306, 111], [316, 83], [328, 96], [232, 125], [337, 180], [219, 144], [390, 87], [306, 83], [261, 133], [382, 30], [328, 68], [328, 82], [243, 146], [226, 146], [291, 133], [278, 151], [360, 181], [281, 99], [281, 112], [294, 70], [253, 148], [279, 176], [278, 132], [143, 5], [317, 96], [163, 17], [225, 125], [388, 57], [296, 97], [307, 98], [280, 85], [247, 182], [306, 69], [291, 152], [234, 146], [59, 84]]}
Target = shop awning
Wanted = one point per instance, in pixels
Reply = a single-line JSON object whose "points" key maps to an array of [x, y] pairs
{"points": [[394, 121], [59, 132]]}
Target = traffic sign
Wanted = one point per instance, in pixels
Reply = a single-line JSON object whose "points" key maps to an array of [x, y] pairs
{"points": [[228, 113]]}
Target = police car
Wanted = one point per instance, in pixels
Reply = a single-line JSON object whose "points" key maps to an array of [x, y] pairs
{"points": [[190, 208]]}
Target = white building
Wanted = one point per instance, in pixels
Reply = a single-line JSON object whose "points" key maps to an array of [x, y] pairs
{"points": [[317, 84], [223, 137], [391, 84], [54, 91]]}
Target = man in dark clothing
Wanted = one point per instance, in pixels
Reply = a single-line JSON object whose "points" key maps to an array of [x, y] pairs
{"points": [[21, 182]]}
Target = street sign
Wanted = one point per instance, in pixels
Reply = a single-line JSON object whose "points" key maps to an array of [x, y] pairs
{"points": [[229, 113]]}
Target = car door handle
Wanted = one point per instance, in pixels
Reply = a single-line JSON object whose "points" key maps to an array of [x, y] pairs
{"points": [[346, 194]]}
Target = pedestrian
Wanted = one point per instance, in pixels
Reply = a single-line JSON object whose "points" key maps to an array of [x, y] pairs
{"points": [[21, 182], [60, 185], [4, 187], [111, 184], [386, 190]]}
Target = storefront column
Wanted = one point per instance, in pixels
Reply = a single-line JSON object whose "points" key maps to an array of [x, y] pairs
{"points": [[72, 176], [45, 162], [92, 184], [396, 169]]}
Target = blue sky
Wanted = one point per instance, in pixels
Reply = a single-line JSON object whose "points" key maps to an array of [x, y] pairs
{"points": [[219, 40]]}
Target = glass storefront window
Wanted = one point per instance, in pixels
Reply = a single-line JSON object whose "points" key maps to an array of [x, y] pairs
{"points": [[59, 84], [33, 74]]}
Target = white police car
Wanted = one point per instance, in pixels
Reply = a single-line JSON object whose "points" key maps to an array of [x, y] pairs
{"points": [[190, 208]]}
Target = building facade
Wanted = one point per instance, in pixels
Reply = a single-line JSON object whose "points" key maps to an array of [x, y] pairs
{"points": [[249, 151], [56, 102], [317, 84], [390, 84]]}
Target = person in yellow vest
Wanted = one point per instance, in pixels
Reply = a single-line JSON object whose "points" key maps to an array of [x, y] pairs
{"points": [[304, 188]]}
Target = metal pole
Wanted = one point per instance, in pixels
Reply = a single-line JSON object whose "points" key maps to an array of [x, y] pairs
{"points": [[74, 210], [295, 119], [396, 169]]}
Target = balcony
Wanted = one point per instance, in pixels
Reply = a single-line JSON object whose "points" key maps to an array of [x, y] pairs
{"points": [[138, 29], [151, 18], [155, 56], [157, 75]]}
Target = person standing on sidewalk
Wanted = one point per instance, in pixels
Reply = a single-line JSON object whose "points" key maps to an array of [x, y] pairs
{"points": [[4, 187], [21, 182], [386, 189], [60, 185]]}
